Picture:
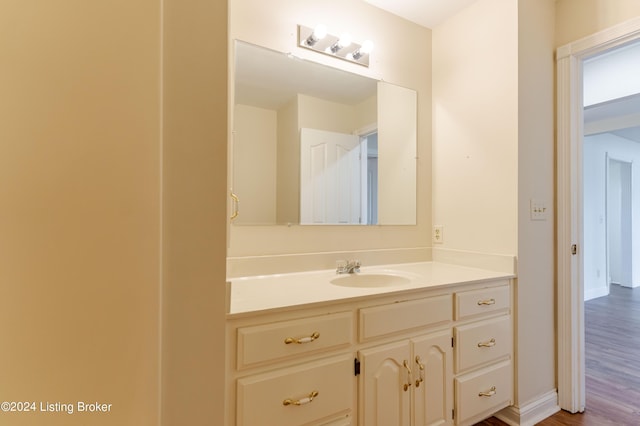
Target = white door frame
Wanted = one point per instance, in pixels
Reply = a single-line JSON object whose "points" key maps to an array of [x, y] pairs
{"points": [[571, 380]]}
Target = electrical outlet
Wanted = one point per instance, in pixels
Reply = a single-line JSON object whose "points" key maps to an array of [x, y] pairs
{"points": [[438, 234]]}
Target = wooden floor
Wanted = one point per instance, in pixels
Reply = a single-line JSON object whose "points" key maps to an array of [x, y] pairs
{"points": [[612, 342]]}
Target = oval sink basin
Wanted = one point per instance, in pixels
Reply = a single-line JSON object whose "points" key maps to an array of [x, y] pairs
{"points": [[370, 280]]}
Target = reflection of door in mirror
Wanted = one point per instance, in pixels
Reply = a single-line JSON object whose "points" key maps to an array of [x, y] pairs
{"points": [[333, 178], [371, 199]]}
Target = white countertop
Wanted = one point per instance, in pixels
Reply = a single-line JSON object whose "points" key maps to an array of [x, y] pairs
{"points": [[267, 292]]}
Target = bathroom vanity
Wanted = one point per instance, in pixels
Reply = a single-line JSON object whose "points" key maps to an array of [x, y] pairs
{"points": [[424, 343]]}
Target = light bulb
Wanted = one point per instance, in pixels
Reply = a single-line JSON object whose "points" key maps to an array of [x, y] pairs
{"points": [[345, 40], [367, 47], [320, 31]]}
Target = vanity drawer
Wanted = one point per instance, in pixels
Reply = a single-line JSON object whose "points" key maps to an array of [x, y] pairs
{"points": [[297, 395], [270, 342], [485, 300], [386, 319], [482, 342], [482, 393]]}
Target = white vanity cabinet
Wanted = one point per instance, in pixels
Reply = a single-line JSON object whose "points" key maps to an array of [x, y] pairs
{"points": [[292, 371], [432, 356], [408, 382], [483, 353]]}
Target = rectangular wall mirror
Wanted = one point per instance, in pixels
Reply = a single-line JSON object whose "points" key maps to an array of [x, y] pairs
{"points": [[316, 145]]}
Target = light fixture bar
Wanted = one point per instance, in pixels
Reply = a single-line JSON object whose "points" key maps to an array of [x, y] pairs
{"points": [[339, 47]]}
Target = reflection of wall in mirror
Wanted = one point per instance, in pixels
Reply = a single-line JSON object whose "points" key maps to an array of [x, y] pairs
{"points": [[254, 150], [288, 157], [397, 133], [281, 178]]}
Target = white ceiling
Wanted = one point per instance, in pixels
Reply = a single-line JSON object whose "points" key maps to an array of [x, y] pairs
{"points": [[612, 92], [428, 13], [629, 106]]}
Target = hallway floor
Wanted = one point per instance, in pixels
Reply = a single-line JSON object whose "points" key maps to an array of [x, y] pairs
{"points": [[612, 342]]}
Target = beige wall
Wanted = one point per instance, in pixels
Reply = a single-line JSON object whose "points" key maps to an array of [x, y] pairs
{"points": [[394, 59], [475, 138], [576, 19], [194, 212], [81, 219], [80, 209], [494, 152], [366, 112], [536, 339]]}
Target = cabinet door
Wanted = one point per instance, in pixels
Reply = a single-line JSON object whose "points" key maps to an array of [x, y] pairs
{"points": [[385, 385], [433, 370]]}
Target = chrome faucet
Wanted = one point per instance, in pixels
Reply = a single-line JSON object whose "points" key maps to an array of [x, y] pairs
{"points": [[348, 266]]}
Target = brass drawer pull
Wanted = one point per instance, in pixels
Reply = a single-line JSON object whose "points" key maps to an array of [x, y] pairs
{"points": [[236, 206], [421, 368], [302, 401], [302, 340], [488, 393], [488, 344], [486, 302], [408, 384]]}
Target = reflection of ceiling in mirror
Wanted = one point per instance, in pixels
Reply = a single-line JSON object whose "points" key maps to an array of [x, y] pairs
{"points": [[269, 79]]}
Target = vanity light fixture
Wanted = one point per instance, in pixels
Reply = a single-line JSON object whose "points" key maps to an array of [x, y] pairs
{"points": [[319, 40]]}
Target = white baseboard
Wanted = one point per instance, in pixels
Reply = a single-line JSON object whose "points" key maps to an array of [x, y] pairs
{"points": [[594, 293], [531, 413]]}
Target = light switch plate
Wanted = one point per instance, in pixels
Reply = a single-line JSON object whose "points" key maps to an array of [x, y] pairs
{"points": [[538, 210]]}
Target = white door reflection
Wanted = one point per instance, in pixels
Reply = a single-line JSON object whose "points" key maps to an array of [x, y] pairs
{"points": [[335, 179]]}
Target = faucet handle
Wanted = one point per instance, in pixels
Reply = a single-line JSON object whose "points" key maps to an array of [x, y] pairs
{"points": [[347, 266], [341, 266]]}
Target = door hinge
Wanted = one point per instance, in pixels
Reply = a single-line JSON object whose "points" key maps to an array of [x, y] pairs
{"points": [[453, 342], [453, 414], [356, 367], [574, 249]]}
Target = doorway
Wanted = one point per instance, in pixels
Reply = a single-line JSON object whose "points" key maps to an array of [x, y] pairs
{"points": [[570, 214], [619, 232]]}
